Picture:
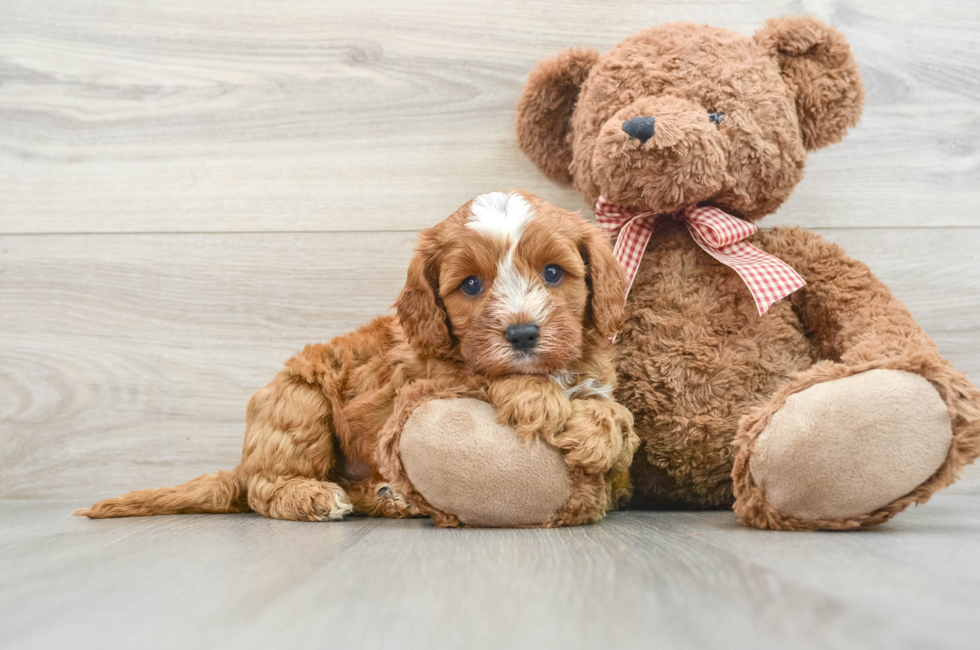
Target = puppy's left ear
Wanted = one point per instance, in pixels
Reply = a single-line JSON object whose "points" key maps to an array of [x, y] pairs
{"points": [[606, 279], [816, 63], [419, 308]]}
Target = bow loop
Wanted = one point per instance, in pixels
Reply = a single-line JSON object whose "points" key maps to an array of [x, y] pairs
{"points": [[718, 233], [718, 229], [612, 218]]}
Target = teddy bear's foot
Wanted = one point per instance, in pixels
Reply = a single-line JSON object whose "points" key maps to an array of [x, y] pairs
{"points": [[477, 472], [841, 454]]}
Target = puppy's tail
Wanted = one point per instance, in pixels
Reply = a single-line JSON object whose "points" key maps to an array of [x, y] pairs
{"points": [[211, 493]]}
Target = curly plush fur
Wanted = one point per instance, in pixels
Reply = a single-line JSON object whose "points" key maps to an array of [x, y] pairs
{"points": [[323, 439], [701, 371]]}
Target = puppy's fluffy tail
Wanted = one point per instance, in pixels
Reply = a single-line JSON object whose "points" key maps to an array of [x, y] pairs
{"points": [[211, 493]]}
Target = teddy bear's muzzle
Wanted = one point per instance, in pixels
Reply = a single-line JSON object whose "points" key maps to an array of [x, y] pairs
{"points": [[660, 153]]}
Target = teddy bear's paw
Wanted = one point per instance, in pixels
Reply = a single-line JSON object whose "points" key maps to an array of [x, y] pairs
{"points": [[477, 472], [848, 447]]}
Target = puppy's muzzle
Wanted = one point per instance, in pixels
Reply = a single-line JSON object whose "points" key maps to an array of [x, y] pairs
{"points": [[523, 337]]}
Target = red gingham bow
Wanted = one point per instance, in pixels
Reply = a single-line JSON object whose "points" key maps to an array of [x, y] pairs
{"points": [[720, 235]]}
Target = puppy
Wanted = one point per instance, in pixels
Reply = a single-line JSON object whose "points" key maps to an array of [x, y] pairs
{"points": [[510, 300]]}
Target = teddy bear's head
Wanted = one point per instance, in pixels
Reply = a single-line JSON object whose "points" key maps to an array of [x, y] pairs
{"points": [[685, 114]]}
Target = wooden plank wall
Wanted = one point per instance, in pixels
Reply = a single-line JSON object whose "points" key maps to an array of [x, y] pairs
{"points": [[192, 190]]}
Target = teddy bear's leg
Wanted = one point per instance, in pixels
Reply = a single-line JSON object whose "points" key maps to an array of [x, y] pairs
{"points": [[885, 422], [845, 447], [464, 467], [479, 472]]}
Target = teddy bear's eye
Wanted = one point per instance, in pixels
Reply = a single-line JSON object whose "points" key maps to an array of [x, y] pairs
{"points": [[716, 116]]}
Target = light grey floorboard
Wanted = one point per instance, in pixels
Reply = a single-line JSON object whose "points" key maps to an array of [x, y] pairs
{"points": [[241, 128], [638, 579]]}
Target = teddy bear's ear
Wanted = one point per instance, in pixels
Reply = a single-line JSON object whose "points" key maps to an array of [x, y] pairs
{"points": [[545, 110], [817, 63]]}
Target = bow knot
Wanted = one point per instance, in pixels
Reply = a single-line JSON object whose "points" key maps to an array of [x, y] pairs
{"points": [[718, 233], [718, 229]]}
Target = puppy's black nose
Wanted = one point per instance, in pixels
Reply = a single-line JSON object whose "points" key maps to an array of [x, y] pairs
{"points": [[640, 128], [522, 337]]}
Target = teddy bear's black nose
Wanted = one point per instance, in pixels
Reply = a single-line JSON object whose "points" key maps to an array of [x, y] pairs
{"points": [[522, 337], [640, 128]]}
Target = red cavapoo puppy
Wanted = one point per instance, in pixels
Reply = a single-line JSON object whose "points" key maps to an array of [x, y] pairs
{"points": [[511, 300]]}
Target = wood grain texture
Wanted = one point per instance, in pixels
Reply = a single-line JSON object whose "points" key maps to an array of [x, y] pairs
{"points": [[187, 116], [636, 580], [127, 360], [191, 191], [213, 185], [132, 356]]}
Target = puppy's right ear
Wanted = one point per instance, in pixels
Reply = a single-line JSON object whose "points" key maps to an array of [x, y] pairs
{"points": [[606, 280], [419, 308], [544, 111]]}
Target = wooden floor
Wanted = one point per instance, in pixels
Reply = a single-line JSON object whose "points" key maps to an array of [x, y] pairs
{"points": [[637, 580], [192, 190]]}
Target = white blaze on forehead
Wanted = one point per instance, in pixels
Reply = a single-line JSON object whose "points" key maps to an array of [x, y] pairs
{"points": [[500, 214], [504, 215]]}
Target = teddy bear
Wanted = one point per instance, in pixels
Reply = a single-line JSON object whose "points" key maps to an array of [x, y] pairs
{"points": [[766, 370]]}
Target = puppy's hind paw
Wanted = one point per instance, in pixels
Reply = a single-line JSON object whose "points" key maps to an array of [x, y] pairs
{"points": [[310, 500], [392, 505]]}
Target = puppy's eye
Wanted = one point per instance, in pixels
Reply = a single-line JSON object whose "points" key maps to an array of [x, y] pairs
{"points": [[552, 274], [716, 116], [472, 286]]}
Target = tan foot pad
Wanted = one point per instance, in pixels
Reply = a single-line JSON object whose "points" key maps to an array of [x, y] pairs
{"points": [[850, 446], [466, 464]]}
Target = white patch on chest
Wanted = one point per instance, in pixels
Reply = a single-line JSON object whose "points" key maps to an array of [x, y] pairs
{"points": [[579, 389]]}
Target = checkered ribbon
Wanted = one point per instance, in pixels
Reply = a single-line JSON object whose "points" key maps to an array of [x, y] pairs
{"points": [[721, 235]]}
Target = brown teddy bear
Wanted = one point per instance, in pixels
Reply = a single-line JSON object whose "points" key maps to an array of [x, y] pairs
{"points": [[833, 409]]}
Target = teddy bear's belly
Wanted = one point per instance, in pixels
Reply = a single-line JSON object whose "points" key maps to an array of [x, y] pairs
{"points": [[695, 357]]}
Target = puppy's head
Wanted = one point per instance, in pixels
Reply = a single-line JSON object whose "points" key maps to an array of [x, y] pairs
{"points": [[511, 284]]}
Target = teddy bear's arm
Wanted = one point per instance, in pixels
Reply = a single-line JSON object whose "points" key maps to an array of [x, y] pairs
{"points": [[881, 422], [850, 314]]}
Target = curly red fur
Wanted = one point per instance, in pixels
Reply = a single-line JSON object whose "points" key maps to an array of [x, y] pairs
{"points": [[322, 439]]}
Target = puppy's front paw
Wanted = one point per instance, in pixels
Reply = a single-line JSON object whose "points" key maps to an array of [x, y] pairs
{"points": [[532, 405], [598, 437]]}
